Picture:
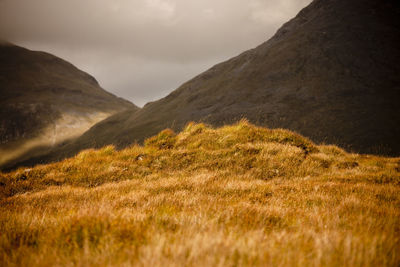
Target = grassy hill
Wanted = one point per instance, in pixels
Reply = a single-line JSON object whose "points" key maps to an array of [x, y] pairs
{"points": [[236, 195]]}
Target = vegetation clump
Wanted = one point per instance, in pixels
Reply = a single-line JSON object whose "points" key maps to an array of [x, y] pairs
{"points": [[236, 195], [164, 140]]}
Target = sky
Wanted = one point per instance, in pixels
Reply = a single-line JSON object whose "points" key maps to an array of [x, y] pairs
{"points": [[142, 50]]}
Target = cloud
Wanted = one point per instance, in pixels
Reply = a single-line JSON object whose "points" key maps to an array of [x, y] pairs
{"points": [[166, 41]]}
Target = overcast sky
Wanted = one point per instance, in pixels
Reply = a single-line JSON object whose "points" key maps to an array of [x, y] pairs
{"points": [[143, 49]]}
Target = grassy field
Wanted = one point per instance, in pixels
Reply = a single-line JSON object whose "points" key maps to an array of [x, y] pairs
{"points": [[233, 196]]}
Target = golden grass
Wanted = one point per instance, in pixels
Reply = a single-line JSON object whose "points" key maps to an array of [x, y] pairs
{"points": [[233, 196]]}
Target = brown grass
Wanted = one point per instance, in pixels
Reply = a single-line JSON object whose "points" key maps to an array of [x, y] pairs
{"points": [[234, 196]]}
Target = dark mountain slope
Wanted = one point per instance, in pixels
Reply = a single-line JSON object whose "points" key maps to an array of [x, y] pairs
{"points": [[332, 74], [45, 100]]}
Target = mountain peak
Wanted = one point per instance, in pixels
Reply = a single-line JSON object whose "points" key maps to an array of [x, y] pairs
{"points": [[330, 73]]}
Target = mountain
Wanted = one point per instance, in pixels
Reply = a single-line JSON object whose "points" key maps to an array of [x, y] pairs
{"points": [[46, 101], [331, 74]]}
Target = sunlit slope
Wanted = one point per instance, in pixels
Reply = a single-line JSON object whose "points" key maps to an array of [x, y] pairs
{"points": [[237, 195], [45, 101]]}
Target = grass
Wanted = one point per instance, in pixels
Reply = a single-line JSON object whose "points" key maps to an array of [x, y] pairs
{"points": [[234, 196]]}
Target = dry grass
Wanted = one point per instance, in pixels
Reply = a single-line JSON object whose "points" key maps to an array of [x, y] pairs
{"points": [[234, 196]]}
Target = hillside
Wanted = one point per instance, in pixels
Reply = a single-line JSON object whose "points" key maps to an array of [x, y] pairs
{"points": [[331, 74], [234, 196], [45, 101]]}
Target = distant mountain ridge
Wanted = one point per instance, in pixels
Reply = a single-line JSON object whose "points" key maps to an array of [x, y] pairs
{"points": [[46, 100], [331, 74]]}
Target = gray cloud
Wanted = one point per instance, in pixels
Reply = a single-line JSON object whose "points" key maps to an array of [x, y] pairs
{"points": [[143, 49]]}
